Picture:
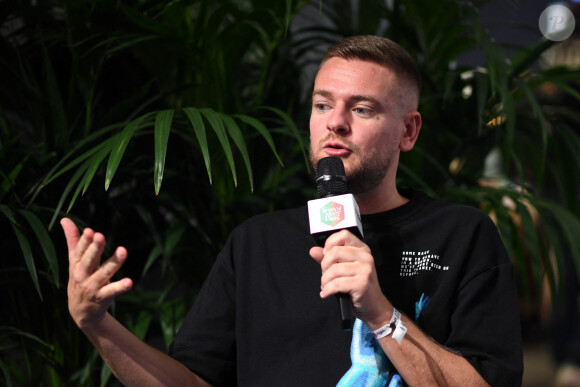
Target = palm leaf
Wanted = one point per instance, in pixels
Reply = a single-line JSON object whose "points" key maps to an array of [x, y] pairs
{"points": [[530, 240], [261, 128], [568, 224], [69, 186], [217, 125], [9, 179], [537, 111], [199, 129], [119, 145], [25, 247], [46, 244], [162, 128], [6, 371], [93, 164], [236, 134], [294, 132], [89, 169], [171, 314], [58, 171]]}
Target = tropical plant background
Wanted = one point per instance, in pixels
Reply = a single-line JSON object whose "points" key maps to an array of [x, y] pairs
{"points": [[165, 124]]}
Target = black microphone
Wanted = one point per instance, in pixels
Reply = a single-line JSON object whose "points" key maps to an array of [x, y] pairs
{"points": [[335, 210]]}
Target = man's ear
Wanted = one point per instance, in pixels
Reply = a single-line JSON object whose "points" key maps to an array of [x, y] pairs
{"points": [[411, 133]]}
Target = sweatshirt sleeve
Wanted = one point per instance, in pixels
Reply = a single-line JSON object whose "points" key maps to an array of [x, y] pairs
{"points": [[485, 324], [206, 341]]}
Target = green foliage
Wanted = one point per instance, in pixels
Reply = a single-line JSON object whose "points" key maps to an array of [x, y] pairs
{"points": [[185, 95], [191, 116], [491, 135]]}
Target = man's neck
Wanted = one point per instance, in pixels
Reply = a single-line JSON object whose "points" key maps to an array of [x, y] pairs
{"points": [[374, 202]]}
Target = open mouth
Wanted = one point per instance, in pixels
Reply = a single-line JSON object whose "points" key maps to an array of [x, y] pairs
{"points": [[336, 149], [335, 145]]}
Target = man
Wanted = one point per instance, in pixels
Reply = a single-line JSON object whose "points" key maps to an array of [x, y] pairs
{"points": [[431, 280]]}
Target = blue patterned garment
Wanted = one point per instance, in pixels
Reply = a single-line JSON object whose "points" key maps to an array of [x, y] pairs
{"points": [[370, 366]]}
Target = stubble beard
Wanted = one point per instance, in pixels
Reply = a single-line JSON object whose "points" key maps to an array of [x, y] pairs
{"points": [[367, 171]]}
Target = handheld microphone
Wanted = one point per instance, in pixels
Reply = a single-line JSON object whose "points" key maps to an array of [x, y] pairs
{"points": [[335, 210]]}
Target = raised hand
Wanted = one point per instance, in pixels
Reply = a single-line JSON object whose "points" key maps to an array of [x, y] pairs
{"points": [[90, 291]]}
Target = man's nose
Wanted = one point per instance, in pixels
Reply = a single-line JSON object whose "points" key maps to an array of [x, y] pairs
{"points": [[338, 121]]}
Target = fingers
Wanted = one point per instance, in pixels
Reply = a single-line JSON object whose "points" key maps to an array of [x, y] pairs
{"points": [[346, 263], [115, 289], [343, 238], [88, 269], [85, 253], [71, 233], [89, 251], [343, 254], [348, 267], [340, 247], [102, 276], [110, 267], [83, 243], [90, 294], [347, 276], [90, 290], [86, 248], [335, 281]]}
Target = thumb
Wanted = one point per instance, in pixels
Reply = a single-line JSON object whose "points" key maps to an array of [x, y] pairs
{"points": [[317, 253]]}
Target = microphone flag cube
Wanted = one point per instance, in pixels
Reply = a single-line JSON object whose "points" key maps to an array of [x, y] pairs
{"points": [[334, 213]]}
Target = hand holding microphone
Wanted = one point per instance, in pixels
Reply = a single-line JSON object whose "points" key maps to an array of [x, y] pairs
{"points": [[346, 261], [335, 210]]}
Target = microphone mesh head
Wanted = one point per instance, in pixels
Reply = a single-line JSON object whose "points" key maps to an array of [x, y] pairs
{"points": [[330, 177]]}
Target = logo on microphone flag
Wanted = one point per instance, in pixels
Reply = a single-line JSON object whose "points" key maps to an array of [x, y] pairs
{"points": [[332, 213]]}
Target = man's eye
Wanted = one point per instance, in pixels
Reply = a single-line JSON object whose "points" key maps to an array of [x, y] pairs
{"points": [[320, 107], [360, 110]]}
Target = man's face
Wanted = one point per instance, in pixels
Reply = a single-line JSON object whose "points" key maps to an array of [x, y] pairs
{"points": [[357, 116]]}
